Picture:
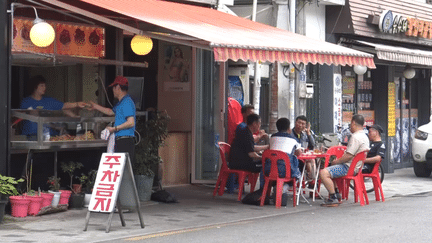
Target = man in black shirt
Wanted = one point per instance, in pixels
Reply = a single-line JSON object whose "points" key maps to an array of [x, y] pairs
{"points": [[377, 148], [243, 154]]}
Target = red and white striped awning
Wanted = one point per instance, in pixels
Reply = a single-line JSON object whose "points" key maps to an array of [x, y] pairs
{"points": [[228, 36], [223, 54]]}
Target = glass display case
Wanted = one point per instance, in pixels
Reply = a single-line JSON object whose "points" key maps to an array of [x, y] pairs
{"points": [[61, 129]]}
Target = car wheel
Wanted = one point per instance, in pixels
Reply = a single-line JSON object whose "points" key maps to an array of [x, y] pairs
{"points": [[421, 169]]}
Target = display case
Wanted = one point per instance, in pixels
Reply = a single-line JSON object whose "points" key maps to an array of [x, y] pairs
{"points": [[55, 130]]}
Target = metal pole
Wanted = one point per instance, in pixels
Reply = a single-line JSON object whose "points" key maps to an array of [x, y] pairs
{"points": [[257, 69], [5, 85]]}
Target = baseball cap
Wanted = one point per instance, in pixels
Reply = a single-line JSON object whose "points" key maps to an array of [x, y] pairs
{"points": [[376, 127], [120, 80]]}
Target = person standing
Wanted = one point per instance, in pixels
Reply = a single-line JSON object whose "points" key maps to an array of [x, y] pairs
{"points": [[125, 117], [38, 100], [357, 143]]}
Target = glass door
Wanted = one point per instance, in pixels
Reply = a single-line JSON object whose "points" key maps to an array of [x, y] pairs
{"points": [[206, 157]]}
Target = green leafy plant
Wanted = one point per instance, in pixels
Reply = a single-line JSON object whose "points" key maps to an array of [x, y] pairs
{"points": [[88, 180], [54, 183], [7, 185], [70, 167], [153, 133]]}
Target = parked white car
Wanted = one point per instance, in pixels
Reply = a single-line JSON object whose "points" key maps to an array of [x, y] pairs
{"points": [[422, 150]]}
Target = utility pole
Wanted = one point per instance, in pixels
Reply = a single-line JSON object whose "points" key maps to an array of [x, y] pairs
{"points": [[292, 76], [257, 72]]}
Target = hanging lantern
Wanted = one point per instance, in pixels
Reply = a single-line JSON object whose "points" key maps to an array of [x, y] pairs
{"points": [[360, 70], [42, 34], [141, 44]]}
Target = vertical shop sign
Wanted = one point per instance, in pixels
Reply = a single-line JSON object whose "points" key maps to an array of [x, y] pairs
{"points": [[337, 101], [391, 109], [107, 183], [114, 187]]}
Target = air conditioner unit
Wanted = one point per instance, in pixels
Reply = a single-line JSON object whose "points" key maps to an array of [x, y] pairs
{"points": [[332, 2]]}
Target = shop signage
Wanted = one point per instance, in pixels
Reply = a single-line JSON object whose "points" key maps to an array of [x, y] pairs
{"points": [[71, 39], [391, 109], [107, 183], [114, 187], [337, 103], [393, 24]]}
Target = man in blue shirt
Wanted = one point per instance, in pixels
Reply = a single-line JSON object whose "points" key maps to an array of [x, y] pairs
{"points": [[125, 117], [38, 100]]}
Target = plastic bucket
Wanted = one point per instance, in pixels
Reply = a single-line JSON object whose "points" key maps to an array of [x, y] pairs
{"points": [[47, 199], [35, 204], [19, 206], [64, 196], [56, 198]]}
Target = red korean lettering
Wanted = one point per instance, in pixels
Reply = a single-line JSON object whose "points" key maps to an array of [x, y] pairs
{"points": [[101, 193], [109, 187], [101, 202], [109, 174]]}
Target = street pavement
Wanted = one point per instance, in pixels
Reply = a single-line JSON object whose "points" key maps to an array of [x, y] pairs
{"points": [[196, 209]]}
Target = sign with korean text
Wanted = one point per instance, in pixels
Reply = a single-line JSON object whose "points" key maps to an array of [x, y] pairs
{"points": [[337, 101], [393, 23], [391, 109], [108, 181]]}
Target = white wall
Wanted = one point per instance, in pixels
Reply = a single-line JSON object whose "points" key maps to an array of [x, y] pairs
{"points": [[315, 21]]}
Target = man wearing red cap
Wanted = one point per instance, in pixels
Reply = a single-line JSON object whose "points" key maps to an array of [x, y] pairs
{"points": [[124, 111]]}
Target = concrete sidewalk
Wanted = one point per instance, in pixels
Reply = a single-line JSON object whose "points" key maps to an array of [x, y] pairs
{"points": [[196, 209]]}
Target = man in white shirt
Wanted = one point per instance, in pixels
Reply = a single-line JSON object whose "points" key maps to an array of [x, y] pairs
{"points": [[358, 142]]}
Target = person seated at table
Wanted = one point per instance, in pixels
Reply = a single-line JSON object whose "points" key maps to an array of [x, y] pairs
{"points": [[260, 136], [377, 148], [283, 141], [303, 134], [357, 143], [244, 153]]}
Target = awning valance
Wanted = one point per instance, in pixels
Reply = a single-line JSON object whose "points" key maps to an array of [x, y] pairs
{"points": [[400, 54], [231, 37]]}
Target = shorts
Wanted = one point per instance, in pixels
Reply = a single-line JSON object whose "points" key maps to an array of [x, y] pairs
{"points": [[367, 168], [338, 170]]}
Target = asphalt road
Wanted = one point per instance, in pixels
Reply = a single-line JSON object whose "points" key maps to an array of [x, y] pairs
{"points": [[400, 219]]}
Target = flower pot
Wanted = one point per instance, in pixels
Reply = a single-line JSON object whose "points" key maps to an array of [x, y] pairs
{"points": [[35, 204], [144, 186], [76, 200], [19, 206], [87, 198], [76, 188], [56, 198], [64, 196], [47, 199], [2, 209]]}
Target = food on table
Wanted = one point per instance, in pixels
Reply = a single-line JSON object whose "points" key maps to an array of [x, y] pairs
{"points": [[64, 137], [86, 136]]}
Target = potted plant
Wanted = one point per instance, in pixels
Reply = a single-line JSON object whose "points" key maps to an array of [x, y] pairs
{"points": [[87, 181], [76, 197], [7, 188], [153, 133], [54, 185]]}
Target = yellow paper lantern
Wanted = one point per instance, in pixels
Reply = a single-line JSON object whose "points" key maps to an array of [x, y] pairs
{"points": [[42, 34], [141, 44]]}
